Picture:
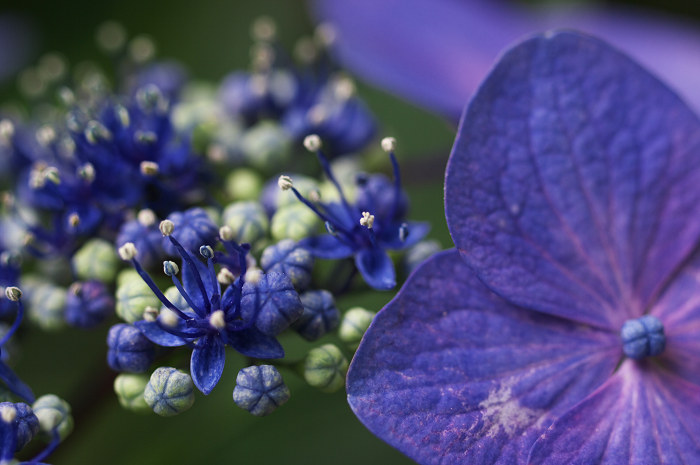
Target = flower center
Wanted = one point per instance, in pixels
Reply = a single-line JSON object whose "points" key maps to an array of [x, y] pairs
{"points": [[643, 337]]}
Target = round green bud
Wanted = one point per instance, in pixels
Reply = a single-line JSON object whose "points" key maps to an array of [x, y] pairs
{"points": [[325, 368], [133, 296], [53, 413], [247, 219], [46, 305], [243, 184], [97, 259], [129, 389], [294, 222], [169, 391], [353, 326], [266, 146]]}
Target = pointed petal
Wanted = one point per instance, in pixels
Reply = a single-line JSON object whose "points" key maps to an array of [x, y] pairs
{"points": [[450, 373], [207, 364], [572, 180], [253, 343], [326, 246], [416, 232], [376, 268], [14, 384], [155, 334], [189, 281], [641, 415], [437, 52]]}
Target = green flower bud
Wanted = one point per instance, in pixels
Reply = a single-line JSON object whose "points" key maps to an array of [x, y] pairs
{"points": [[353, 326], [133, 296], [247, 219], [325, 368], [244, 184], [169, 391], [97, 259], [129, 389], [46, 304], [266, 146], [294, 222], [53, 413]]}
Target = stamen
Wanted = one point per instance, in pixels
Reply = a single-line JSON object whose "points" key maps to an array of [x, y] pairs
{"points": [[187, 258], [225, 277], [285, 183], [166, 227], [150, 314], [389, 145], [14, 294], [226, 233], [127, 252], [367, 220], [74, 220], [208, 253], [146, 217], [312, 143], [7, 131], [122, 115], [169, 318], [8, 413], [217, 320], [149, 168], [145, 137], [87, 172], [170, 268]]}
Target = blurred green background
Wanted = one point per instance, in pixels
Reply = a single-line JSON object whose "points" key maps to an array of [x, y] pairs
{"points": [[211, 37]]}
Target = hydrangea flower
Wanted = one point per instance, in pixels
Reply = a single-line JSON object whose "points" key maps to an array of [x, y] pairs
{"points": [[436, 52], [365, 229], [565, 328], [246, 316]]}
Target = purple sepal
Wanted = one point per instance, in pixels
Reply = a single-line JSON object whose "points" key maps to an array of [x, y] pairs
{"points": [[641, 415], [571, 181], [376, 267], [207, 363], [159, 336], [253, 343], [448, 372]]}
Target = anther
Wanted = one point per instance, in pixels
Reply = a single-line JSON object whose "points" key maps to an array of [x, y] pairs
{"points": [[225, 277], [122, 115], [206, 252], [168, 318], [13, 293], [226, 233], [145, 137], [74, 220], [312, 143], [217, 319], [7, 131], [367, 220], [149, 168], [87, 172], [45, 135], [166, 227], [389, 144], [150, 314], [285, 182], [146, 217], [170, 268], [403, 232], [127, 251]]}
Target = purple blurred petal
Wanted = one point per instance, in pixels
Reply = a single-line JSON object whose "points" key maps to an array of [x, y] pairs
{"points": [[157, 335], [641, 415], [436, 52], [450, 373], [571, 181], [207, 364], [376, 268]]}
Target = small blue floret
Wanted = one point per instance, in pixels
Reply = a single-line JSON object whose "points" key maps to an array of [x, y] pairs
{"points": [[88, 304], [129, 350], [260, 390], [643, 337]]}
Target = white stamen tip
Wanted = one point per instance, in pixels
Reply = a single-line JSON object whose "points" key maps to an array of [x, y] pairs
{"points": [[225, 277], [170, 268], [7, 130], [168, 318], [312, 143], [146, 217], [166, 227], [74, 220], [8, 413], [127, 251], [285, 183], [226, 233], [388, 144], [149, 168], [87, 172], [150, 314], [253, 275], [367, 220], [13, 293], [217, 319]]}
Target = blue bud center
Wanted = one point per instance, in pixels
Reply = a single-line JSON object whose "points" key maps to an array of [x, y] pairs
{"points": [[643, 337]]}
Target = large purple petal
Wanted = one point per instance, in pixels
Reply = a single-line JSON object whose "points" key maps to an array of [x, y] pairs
{"points": [[641, 415], [572, 180], [436, 52], [207, 364], [448, 372]]}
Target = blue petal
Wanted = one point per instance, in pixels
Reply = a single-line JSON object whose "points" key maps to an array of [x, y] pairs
{"points": [[207, 364], [159, 336], [14, 384], [436, 52], [416, 232], [326, 246], [641, 415], [191, 285], [376, 268], [572, 179], [448, 372], [253, 343]]}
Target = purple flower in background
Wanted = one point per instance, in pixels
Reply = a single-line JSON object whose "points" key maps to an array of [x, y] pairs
{"points": [[565, 328], [436, 52]]}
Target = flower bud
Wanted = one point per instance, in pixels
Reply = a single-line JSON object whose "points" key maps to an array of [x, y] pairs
{"points": [[260, 390], [248, 221], [88, 304], [295, 222], [325, 367], [129, 350], [169, 391], [320, 315], [46, 304], [96, 259], [244, 184], [133, 296], [53, 413], [353, 326], [286, 257], [266, 146], [129, 389], [27, 424]]}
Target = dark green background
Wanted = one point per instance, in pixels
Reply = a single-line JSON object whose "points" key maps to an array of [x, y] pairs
{"points": [[211, 37]]}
